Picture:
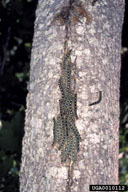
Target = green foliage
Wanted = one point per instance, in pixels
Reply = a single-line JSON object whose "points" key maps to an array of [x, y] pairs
{"points": [[123, 161], [16, 32], [11, 134], [123, 157], [123, 171]]}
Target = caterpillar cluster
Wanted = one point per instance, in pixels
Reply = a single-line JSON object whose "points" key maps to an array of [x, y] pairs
{"points": [[65, 131]]}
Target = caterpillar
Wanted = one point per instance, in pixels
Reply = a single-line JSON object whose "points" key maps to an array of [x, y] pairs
{"points": [[99, 99], [65, 132], [63, 140], [74, 149], [54, 131], [66, 58], [66, 151], [58, 129], [68, 76], [61, 87], [75, 106]]}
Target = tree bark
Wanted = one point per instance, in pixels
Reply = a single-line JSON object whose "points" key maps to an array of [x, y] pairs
{"points": [[97, 47]]}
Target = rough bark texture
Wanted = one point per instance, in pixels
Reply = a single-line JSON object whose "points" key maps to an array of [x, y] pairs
{"points": [[97, 46]]}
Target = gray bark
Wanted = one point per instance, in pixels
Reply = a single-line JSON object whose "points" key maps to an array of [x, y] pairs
{"points": [[97, 46]]}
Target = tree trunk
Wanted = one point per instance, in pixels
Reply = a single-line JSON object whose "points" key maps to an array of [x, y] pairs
{"points": [[96, 46]]}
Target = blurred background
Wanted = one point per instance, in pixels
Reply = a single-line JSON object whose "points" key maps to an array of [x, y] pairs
{"points": [[16, 34]]}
